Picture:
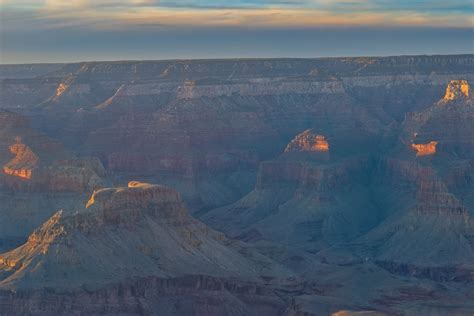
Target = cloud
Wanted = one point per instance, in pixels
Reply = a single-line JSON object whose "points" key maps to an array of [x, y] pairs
{"points": [[51, 14], [55, 4]]}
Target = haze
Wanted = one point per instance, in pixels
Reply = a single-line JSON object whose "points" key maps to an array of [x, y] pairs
{"points": [[82, 30]]}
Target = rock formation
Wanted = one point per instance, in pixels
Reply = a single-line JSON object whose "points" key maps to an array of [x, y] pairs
{"points": [[457, 89], [425, 149], [307, 141], [23, 163]]}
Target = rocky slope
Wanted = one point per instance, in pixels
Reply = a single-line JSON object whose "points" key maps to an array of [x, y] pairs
{"points": [[38, 176], [139, 231]]}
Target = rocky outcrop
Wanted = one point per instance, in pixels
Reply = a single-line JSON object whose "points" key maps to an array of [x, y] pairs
{"points": [[124, 206], [457, 89], [308, 141], [69, 86], [23, 163], [425, 149]]}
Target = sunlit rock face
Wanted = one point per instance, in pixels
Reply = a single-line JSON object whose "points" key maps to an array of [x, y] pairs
{"points": [[61, 88], [308, 141], [425, 149], [24, 162], [69, 87], [457, 89]]}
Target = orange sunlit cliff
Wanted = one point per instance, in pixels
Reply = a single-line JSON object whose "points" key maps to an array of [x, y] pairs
{"points": [[425, 149], [457, 89], [308, 141], [23, 163]]}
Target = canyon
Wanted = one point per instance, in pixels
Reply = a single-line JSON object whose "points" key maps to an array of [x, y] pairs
{"points": [[331, 186]]}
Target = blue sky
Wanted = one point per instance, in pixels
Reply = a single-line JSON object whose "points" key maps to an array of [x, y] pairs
{"points": [[76, 30]]}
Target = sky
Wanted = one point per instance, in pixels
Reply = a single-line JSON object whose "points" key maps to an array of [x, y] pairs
{"points": [[33, 31]]}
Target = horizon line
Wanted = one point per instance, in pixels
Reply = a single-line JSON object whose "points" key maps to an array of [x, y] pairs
{"points": [[233, 59]]}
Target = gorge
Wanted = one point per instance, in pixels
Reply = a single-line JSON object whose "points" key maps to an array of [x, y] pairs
{"points": [[330, 186]]}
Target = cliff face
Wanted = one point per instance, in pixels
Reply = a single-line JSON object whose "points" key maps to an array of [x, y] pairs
{"points": [[457, 89], [23, 162], [425, 149]]}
